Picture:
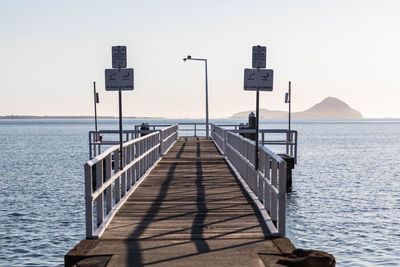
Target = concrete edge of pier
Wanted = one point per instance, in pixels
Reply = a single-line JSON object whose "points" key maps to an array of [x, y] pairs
{"points": [[273, 252]]}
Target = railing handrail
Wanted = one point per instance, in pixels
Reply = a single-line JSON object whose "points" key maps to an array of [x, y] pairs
{"points": [[264, 131], [290, 140], [263, 148], [125, 131], [114, 148]]}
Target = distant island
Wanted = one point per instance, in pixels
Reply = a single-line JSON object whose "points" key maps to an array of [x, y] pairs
{"points": [[329, 108]]}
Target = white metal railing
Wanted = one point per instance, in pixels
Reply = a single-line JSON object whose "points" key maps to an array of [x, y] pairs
{"points": [[267, 185], [287, 139], [185, 128], [107, 186], [107, 138], [169, 135]]}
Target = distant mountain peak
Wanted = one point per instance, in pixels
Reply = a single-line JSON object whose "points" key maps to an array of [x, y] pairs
{"points": [[329, 108], [330, 103]]}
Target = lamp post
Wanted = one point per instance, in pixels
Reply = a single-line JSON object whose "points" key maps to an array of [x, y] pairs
{"points": [[205, 61]]}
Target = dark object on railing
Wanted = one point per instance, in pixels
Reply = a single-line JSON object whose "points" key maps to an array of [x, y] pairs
{"points": [[243, 126], [250, 125], [290, 166], [144, 126]]}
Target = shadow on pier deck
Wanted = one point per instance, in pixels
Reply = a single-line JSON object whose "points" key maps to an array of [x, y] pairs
{"points": [[190, 211]]}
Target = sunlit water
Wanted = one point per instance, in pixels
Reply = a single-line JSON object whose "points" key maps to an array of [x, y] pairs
{"points": [[345, 199]]}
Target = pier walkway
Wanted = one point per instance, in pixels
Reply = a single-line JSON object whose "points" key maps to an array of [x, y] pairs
{"points": [[191, 210]]}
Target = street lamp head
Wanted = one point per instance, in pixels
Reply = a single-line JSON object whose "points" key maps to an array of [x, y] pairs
{"points": [[189, 57], [184, 59]]}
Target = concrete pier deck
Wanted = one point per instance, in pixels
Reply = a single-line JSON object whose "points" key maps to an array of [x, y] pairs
{"points": [[190, 211]]}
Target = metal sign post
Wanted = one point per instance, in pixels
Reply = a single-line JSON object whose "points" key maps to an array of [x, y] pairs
{"points": [[119, 78], [120, 130], [258, 79], [290, 102], [257, 126]]}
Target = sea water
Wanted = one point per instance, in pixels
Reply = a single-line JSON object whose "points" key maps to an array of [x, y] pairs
{"points": [[345, 198]]}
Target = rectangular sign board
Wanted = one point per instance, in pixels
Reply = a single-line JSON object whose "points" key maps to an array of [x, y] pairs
{"points": [[261, 79], [118, 57], [119, 79], [259, 57]]}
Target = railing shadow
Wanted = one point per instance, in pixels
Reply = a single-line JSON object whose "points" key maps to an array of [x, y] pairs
{"points": [[197, 238], [198, 222], [150, 215]]}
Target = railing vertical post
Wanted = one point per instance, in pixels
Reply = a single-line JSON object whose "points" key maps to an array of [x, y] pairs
{"points": [[90, 146], [274, 197], [100, 198], [128, 172], [267, 192], [260, 192], [287, 142], [133, 168], [282, 199], [263, 138], [161, 143], [295, 148], [118, 180], [109, 189], [94, 146], [123, 175], [225, 136], [137, 175], [291, 144], [89, 201]]}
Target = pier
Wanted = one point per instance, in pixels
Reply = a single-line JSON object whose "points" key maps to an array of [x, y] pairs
{"points": [[184, 201]]}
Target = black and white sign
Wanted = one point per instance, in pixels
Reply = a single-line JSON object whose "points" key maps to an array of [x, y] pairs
{"points": [[119, 57], [119, 79], [259, 57], [261, 79]]}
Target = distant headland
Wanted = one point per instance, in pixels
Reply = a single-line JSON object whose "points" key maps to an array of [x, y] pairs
{"points": [[329, 108], [28, 117]]}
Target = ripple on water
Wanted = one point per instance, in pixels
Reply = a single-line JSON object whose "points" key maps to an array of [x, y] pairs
{"points": [[349, 185]]}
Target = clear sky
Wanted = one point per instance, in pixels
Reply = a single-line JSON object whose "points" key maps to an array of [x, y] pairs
{"points": [[52, 51]]}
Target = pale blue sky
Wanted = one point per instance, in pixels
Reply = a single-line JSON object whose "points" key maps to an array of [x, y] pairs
{"points": [[52, 51]]}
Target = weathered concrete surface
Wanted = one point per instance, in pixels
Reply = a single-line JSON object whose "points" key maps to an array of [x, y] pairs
{"points": [[290, 256], [190, 211]]}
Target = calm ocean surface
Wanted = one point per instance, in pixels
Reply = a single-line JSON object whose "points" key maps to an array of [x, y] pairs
{"points": [[345, 199]]}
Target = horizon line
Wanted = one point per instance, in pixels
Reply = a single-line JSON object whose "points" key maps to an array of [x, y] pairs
{"points": [[158, 117]]}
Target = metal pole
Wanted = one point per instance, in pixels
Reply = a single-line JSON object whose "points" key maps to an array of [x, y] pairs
{"points": [[257, 126], [206, 102], [120, 129], [290, 102], [95, 110]]}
